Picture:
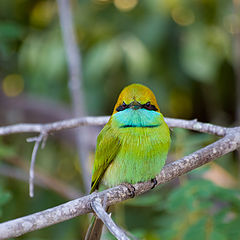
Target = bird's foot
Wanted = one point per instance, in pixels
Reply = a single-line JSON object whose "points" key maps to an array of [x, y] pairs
{"points": [[131, 189], [154, 181]]}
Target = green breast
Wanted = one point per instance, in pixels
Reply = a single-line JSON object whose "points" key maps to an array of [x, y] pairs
{"points": [[144, 141]]}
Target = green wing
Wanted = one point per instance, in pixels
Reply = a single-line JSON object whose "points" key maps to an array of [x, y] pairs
{"points": [[108, 145]]}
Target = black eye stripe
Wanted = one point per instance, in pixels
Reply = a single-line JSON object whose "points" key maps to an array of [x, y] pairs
{"points": [[122, 107], [147, 106]]}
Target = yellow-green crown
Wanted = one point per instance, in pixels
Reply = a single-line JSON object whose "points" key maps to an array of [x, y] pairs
{"points": [[136, 92]]}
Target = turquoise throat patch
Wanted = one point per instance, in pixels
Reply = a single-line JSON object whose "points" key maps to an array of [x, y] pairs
{"points": [[137, 118]]}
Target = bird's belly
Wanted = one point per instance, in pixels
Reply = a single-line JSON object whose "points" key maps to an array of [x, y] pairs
{"points": [[140, 158]]}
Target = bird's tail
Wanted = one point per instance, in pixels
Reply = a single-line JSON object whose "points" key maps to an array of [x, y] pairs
{"points": [[95, 229]]}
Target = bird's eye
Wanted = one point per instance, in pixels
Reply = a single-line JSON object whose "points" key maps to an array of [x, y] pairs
{"points": [[148, 104], [122, 107]]}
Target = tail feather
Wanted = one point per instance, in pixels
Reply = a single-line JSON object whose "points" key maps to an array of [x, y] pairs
{"points": [[94, 231]]}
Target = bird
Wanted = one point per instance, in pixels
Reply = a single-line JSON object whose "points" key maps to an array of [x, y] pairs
{"points": [[133, 146]]}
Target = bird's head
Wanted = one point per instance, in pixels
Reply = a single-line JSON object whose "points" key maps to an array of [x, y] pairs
{"points": [[136, 96]]}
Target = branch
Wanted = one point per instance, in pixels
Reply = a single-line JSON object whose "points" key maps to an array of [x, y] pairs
{"points": [[196, 126], [75, 82], [81, 206], [107, 220], [53, 127], [100, 121]]}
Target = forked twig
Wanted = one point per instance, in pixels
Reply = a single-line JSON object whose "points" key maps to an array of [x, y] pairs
{"points": [[42, 138], [107, 220]]}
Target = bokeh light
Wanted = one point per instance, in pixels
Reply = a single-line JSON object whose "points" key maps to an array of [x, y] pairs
{"points": [[102, 1], [13, 85], [236, 2], [42, 13], [182, 16], [125, 5]]}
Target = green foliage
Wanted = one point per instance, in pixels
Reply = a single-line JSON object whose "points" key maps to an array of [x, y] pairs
{"points": [[172, 46], [203, 52], [197, 209], [5, 196], [203, 211], [44, 64], [6, 150]]}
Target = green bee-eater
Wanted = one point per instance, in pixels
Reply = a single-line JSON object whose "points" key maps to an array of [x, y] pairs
{"points": [[133, 145]]}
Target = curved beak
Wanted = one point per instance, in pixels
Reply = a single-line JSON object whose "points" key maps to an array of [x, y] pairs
{"points": [[135, 105]]}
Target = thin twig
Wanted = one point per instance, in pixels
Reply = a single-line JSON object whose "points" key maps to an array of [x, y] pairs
{"points": [[75, 82], [107, 220], [120, 193], [100, 121], [41, 138]]}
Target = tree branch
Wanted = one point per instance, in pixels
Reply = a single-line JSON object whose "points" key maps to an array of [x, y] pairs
{"points": [[100, 121], [107, 220], [80, 206], [75, 81]]}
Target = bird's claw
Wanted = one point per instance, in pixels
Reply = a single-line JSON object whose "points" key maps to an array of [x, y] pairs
{"points": [[131, 189], [154, 181]]}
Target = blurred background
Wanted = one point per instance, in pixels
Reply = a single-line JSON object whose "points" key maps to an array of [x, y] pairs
{"points": [[187, 52]]}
